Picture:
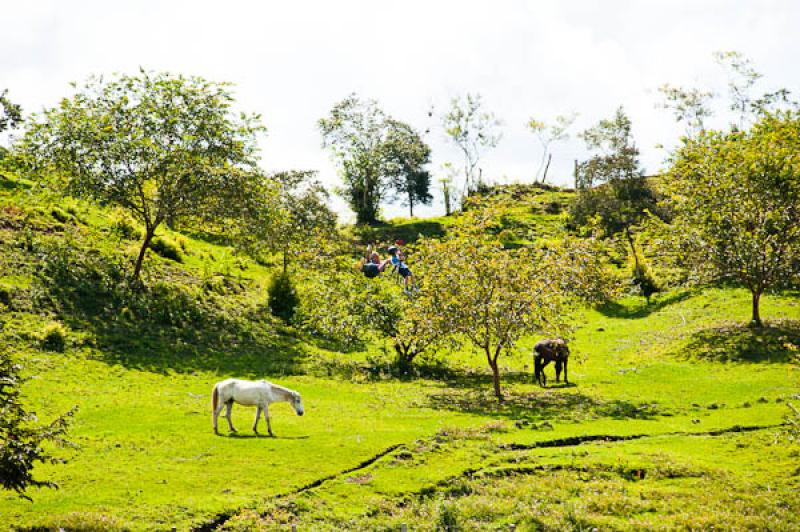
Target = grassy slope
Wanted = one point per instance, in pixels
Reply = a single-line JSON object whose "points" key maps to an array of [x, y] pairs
{"points": [[148, 458]]}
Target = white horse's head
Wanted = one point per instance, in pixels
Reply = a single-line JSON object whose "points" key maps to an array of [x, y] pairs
{"points": [[297, 403]]}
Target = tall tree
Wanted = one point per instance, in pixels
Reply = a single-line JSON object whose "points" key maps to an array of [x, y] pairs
{"points": [[611, 184], [474, 130], [406, 156], [162, 146], [737, 199], [376, 154], [558, 131]]}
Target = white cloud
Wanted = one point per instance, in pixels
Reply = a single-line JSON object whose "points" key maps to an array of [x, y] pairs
{"points": [[292, 60]]}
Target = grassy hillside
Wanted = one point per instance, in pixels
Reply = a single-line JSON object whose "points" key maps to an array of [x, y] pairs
{"points": [[673, 417]]}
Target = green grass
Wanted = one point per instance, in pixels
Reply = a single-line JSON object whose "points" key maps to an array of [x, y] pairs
{"points": [[648, 434]]}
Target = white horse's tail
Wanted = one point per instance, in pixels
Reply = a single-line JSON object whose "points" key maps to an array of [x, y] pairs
{"points": [[214, 401]]}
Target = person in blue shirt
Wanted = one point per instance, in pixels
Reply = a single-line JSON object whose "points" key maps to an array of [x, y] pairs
{"points": [[399, 264]]}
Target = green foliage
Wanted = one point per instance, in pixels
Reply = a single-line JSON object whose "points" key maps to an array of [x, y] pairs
{"points": [[290, 216], [165, 148], [737, 197], [474, 130], [21, 442], [283, 299], [547, 135], [60, 215], [54, 338], [10, 113], [166, 248], [644, 281], [448, 518], [125, 228], [375, 154], [491, 297]]}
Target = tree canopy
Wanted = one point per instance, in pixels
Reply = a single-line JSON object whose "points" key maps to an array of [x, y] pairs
{"points": [[164, 147], [737, 200], [376, 154]]}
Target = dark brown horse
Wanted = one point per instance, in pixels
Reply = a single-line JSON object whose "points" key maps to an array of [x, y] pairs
{"points": [[546, 351]]}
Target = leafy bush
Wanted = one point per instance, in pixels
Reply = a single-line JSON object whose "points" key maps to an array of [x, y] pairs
{"points": [[54, 338], [125, 228], [60, 215], [21, 445], [6, 295], [448, 518], [644, 281], [166, 248], [283, 299]]}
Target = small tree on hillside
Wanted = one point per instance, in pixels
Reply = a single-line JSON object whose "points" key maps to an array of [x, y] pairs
{"points": [[287, 214], [737, 199], [611, 184], [492, 297], [558, 131], [21, 442], [474, 130], [10, 113], [161, 146]]}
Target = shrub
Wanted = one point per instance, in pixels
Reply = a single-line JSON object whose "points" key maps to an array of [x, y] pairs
{"points": [[125, 228], [166, 248], [553, 207], [282, 296], [448, 518], [6, 295], [59, 215], [644, 281], [54, 338]]}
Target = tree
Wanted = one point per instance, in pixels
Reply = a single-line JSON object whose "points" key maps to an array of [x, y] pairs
{"points": [[690, 106], [406, 156], [547, 135], [473, 130], [376, 154], [737, 200], [491, 297], [287, 214], [10, 113], [163, 147], [611, 185], [446, 185], [21, 442]]}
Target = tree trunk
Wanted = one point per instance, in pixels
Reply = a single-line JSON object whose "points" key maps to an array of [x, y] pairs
{"points": [[633, 248], [756, 320], [495, 377], [546, 168], [146, 244], [411, 204]]}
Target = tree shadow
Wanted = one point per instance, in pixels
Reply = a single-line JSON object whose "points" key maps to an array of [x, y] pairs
{"points": [[538, 406], [169, 326], [409, 231], [642, 309], [777, 342]]}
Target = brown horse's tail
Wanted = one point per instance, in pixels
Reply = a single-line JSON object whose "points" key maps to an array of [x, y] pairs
{"points": [[214, 400]]}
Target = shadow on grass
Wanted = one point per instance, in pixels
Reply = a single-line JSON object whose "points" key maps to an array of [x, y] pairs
{"points": [[777, 342], [540, 405], [613, 309], [173, 325], [410, 231]]}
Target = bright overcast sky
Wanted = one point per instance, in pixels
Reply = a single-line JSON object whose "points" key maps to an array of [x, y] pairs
{"points": [[292, 60]]}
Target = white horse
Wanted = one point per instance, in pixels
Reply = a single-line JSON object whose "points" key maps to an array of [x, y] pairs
{"points": [[251, 393]]}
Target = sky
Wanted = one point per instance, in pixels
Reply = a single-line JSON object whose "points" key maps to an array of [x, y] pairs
{"points": [[291, 61]]}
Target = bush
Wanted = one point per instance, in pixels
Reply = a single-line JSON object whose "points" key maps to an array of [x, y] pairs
{"points": [[166, 248], [448, 518], [54, 338], [6, 295], [282, 296], [125, 228], [644, 281], [59, 215]]}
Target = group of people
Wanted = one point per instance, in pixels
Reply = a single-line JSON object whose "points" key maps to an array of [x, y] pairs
{"points": [[373, 265]]}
